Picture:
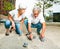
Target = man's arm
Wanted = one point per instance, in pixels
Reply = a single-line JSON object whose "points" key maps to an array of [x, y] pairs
{"points": [[29, 27], [43, 29], [30, 32]]}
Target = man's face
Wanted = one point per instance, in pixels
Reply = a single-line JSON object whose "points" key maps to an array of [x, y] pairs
{"points": [[35, 13]]}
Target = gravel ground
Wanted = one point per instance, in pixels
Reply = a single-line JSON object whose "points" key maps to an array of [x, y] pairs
{"points": [[14, 41]]}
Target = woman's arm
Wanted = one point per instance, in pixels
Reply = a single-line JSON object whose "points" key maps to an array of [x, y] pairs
{"points": [[21, 22], [11, 19]]}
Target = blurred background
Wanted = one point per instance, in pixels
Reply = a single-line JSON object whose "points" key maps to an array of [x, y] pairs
{"points": [[50, 8]]}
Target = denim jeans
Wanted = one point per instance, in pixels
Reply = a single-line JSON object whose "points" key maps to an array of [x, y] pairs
{"points": [[17, 26], [38, 25]]}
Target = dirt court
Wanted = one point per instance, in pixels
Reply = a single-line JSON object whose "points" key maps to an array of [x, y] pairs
{"points": [[13, 41]]}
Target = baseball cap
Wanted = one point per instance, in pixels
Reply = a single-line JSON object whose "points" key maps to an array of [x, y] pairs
{"points": [[22, 6]]}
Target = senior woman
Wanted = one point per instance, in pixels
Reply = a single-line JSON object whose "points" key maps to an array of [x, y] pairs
{"points": [[15, 19]]}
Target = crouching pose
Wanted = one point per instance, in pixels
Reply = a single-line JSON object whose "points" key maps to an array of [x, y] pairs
{"points": [[36, 20], [15, 19]]}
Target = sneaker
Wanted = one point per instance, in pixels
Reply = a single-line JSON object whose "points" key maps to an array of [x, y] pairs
{"points": [[11, 29], [20, 34], [7, 34], [38, 33]]}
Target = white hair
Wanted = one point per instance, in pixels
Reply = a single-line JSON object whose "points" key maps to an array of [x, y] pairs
{"points": [[37, 8]]}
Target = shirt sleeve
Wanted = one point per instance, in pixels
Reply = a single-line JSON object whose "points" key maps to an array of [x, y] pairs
{"points": [[41, 18], [11, 13]]}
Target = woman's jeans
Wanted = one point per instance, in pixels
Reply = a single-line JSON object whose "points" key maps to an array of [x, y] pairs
{"points": [[38, 26], [17, 26]]}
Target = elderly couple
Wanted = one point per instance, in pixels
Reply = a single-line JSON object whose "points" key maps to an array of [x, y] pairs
{"points": [[35, 20]]}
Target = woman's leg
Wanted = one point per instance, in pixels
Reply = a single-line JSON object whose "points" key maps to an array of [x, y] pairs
{"points": [[26, 24], [18, 31], [7, 26]]}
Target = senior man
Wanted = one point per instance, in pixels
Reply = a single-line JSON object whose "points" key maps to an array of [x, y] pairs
{"points": [[36, 20]]}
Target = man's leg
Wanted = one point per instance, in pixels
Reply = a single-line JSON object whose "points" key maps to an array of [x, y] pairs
{"points": [[39, 27], [18, 31], [7, 26]]}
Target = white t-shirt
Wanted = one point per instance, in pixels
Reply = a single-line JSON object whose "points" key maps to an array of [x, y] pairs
{"points": [[34, 20], [14, 14]]}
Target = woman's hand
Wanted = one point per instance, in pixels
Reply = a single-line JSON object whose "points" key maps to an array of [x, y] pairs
{"points": [[13, 25]]}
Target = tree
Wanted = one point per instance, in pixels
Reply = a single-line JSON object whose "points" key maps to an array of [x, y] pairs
{"points": [[48, 5], [45, 4], [52, 0], [39, 4]]}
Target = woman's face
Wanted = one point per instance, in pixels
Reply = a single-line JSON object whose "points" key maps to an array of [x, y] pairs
{"points": [[35, 13], [21, 11]]}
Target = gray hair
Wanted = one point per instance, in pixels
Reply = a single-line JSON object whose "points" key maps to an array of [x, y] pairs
{"points": [[37, 8]]}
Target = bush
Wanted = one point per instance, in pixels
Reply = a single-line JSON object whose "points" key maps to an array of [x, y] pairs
{"points": [[8, 6], [48, 18]]}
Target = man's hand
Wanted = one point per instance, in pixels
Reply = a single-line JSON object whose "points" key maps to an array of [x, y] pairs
{"points": [[42, 35], [30, 36]]}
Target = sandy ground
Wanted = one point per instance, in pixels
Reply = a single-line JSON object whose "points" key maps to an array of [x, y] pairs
{"points": [[14, 41]]}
